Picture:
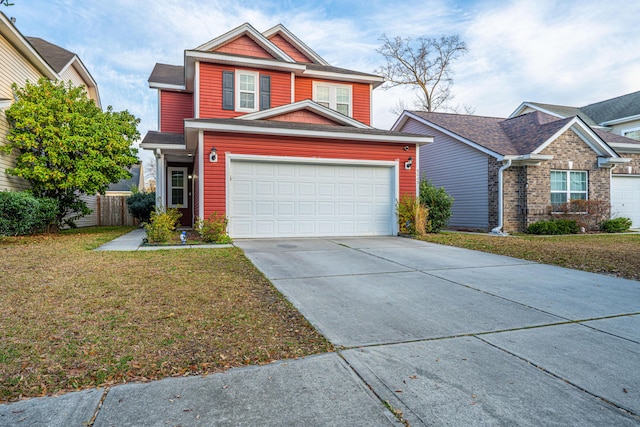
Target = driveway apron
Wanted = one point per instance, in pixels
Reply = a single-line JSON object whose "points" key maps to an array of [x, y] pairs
{"points": [[451, 336]]}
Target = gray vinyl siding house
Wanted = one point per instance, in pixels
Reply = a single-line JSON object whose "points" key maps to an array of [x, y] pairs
{"points": [[505, 174], [461, 170]]}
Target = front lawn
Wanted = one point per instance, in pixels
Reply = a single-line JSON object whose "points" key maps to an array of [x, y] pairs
{"points": [[613, 254], [71, 318]]}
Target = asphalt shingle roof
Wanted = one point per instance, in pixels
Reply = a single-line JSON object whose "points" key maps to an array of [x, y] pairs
{"points": [[615, 108], [55, 56], [127, 184], [165, 138], [516, 136], [167, 74]]}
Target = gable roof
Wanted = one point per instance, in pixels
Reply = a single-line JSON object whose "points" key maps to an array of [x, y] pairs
{"points": [[523, 135], [608, 112], [611, 110], [246, 30], [308, 105], [61, 59], [296, 42], [56, 56], [166, 76]]}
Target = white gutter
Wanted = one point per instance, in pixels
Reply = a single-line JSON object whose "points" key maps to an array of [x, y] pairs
{"points": [[498, 230]]}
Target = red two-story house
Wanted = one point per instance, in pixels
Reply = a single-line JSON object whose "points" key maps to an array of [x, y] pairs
{"points": [[257, 126]]}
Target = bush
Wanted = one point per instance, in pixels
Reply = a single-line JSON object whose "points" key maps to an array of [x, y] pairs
{"points": [[22, 213], [556, 226], [141, 205], [439, 204], [162, 223], [213, 229], [412, 216], [587, 213], [615, 225]]}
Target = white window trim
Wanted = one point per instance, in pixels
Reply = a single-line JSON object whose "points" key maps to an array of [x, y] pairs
{"points": [[568, 190], [256, 93], [185, 187], [332, 95]]}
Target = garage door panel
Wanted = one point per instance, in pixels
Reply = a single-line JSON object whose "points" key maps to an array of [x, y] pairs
{"points": [[271, 199], [625, 198]]}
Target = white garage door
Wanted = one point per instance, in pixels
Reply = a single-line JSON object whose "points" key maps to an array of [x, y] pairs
{"points": [[271, 199], [625, 198]]}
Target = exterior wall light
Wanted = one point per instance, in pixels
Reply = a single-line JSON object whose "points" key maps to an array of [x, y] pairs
{"points": [[213, 156], [408, 163]]}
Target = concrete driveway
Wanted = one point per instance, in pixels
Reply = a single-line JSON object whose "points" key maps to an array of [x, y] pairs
{"points": [[456, 337]]}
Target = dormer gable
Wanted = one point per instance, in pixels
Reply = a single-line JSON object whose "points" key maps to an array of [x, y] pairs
{"points": [[293, 46], [246, 41], [305, 111]]}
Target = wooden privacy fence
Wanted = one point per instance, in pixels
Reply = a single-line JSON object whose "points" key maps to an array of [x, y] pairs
{"points": [[112, 210]]}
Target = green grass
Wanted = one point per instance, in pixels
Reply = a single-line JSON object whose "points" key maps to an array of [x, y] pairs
{"points": [[72, 318], [613, 254]]}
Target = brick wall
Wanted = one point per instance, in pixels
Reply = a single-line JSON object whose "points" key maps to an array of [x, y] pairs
{"points": [[527, 189], [634, 165], [493, 167]]}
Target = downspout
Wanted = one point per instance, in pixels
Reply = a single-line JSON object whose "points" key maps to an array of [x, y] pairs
{"points": [[498, 230]]}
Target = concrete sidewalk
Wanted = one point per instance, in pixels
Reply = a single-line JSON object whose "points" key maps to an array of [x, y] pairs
{"points": [[133, 240], [441, 335]]}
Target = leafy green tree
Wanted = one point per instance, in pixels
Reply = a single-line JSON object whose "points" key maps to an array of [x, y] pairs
{"points": [[67, 146]]}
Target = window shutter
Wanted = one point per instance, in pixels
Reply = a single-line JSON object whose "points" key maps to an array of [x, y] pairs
{"points": [[227, 90], [265, 92]]}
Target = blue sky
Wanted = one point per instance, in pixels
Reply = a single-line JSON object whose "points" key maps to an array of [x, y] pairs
{"points": [[571, 52]]}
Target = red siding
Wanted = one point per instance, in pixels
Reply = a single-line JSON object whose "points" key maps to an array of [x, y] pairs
{"points": [[303, 116], [211, 90], [215, 173], [174, 108], [288, 48], [361, 93], [244, 46]]}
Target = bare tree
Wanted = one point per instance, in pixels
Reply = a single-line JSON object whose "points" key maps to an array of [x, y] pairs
{"points": [[5, 3], [425, 64]]}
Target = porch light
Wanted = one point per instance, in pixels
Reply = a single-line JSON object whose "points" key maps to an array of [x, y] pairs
{"points": [[213, 156], [408, 163]]}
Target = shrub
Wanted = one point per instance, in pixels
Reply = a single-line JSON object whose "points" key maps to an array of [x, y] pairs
{"points": [[438, 202], [162, 223], [213, 229], [556, 226], [22, 213], [615, 225], [412, 216], [587, 213], [141, 205]]}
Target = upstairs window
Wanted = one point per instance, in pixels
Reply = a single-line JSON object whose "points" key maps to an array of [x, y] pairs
{"points": [[245, 91], [334, 96], [568, 185]]}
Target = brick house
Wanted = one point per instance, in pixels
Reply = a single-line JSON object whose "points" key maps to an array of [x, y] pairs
{"points": [[505, 174], [620, 116], [259, 127]]}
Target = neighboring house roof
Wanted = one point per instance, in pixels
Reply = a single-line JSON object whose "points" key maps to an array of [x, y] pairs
{"points": [[56, 56], [522, 135], [126, 184], [608, 112], [613, 109]]}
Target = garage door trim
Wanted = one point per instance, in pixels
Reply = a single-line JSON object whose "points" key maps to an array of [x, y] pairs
{"points": [[395, 165]]}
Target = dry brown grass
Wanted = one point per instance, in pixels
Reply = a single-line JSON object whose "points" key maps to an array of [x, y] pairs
{"points": [[613, 254], [72, 318]]}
